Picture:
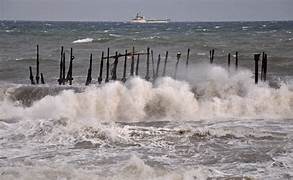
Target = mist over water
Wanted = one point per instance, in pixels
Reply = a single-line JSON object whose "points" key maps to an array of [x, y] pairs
{"points": [[211, 122]]}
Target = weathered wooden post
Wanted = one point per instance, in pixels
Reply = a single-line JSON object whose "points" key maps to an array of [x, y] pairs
{"points": [[153, 64], [69, 73], [124, 67], [42, 79], [31, 76], [176, 67], [256, 59], [132, 62], [265, 67], [212, 53], [147, 76], [236, 60], [114, 70], [108, 65], [165, 64], [137, 65], [63, 69], [158, 66], [187, 57], [262, 66], [263, 75], [61, 66], [89, 72], [100, 78], [38, 66]]}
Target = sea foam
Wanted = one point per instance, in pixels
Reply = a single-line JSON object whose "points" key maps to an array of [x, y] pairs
{"points": [[86, 40]]}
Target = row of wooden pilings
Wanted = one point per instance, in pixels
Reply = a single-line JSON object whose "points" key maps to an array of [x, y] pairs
{"points": [[134, 67], [264, 64]]}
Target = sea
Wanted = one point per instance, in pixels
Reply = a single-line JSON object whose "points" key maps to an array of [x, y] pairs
{"points": [[203, 121]]}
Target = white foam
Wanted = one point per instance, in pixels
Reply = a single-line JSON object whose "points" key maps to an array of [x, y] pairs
{"points": [[86, 40], [115, 35], [212, 93]]}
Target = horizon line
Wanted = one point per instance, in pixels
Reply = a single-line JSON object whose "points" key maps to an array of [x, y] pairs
{"points": [[114, 21]]}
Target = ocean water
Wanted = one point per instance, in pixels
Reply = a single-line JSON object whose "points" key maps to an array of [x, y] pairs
{"points": [[210, 122]]}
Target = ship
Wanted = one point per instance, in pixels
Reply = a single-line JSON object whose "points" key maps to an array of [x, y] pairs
{"points": [[142, 20]]}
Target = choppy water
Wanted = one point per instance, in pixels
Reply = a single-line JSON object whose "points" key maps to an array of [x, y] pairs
{"points": [[211, 123]]}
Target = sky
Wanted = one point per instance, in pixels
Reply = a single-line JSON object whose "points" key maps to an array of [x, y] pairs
{"points": [[123, 10]]}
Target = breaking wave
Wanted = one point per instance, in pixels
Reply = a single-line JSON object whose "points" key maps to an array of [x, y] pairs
{"points": [[86, 40], [212, 94]]}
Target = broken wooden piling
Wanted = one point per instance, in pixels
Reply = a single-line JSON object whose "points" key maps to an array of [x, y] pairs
{"points": [[42, 79], [100, 78], [124, 67], [61, 66], [63, 69], [177, 63], [38, 66], [69, 73], [132, 62], [147, 76], [187, 57], [114, 70], [153, 64], [137, 65], [89, 72], [212, 53], [263, 75], [31, 76], [265, 69], [256, 59], [165, 63], [158, 66], [236, 60], [108, 65]]}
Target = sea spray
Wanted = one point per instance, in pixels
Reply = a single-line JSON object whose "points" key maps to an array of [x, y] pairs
{"points": [[215, 94]]}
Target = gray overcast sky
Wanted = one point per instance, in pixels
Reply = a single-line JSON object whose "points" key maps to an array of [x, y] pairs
{"points": [[122, 10]]}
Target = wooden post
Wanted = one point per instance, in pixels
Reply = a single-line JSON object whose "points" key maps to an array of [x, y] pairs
{"points": [[38, 66], [108, 65], [69, 73], [42, 79], [89, 73], [147, 76], [176, 67], [61, 67], [31, 76], [114, 70], [132, 62], [262, 66], [100, 79], [256, 59], [187, 58], [212, 53], [137, 66], [124, 67], [265, 67], [158, 66], [236, 60], [165, 64], [229, 60], [153, 64]]}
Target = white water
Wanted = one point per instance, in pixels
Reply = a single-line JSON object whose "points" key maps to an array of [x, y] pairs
{"points": [[211, 94], [85, 40], [171, 129]]}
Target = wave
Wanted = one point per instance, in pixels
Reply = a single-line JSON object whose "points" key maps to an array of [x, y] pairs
{"points": [[115, 35], [212, 93], [130, 169], [85, 40]]}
